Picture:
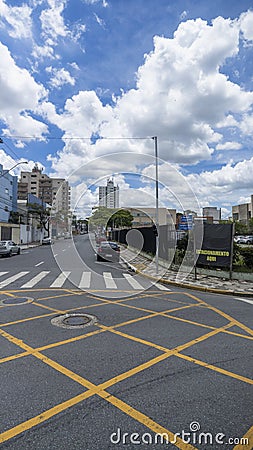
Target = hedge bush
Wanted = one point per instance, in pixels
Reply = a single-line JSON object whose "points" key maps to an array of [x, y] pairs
{"points": [[247, 255]]}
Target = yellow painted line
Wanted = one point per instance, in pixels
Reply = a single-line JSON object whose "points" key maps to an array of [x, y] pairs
{"points": [[93, 389], [226, 316], [145, 420], [56, 344], [30, 423], [27, 319], [249, 446], [160, 347], [47, 360], [237, 323], [59, 311], [8, 293], [51, 297], [53, 345], [13, 357], [215, 368], [67, 341], [178, 349]]}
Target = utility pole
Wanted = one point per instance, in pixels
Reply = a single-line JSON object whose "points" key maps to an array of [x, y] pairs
{"points": [[156, 205]]}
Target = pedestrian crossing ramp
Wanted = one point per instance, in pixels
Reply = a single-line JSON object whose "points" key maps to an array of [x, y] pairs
{"points": [[82, 280]]}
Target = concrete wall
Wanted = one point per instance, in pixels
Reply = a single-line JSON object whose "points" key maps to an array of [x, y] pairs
{"points": [[12, 229]]}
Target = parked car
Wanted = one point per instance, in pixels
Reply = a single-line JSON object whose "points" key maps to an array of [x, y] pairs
{"points": [[245, 240], [108, 251], [47, 241], [9, 248], [236, 238]]}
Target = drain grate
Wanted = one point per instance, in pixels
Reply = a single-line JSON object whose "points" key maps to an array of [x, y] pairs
{"points": [[15, 301], [73, 321]]}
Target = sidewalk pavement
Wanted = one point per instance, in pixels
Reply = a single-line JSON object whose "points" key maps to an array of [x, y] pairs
{"points": [[143, 265]]}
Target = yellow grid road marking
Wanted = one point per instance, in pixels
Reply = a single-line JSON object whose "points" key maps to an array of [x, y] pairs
{"points": [[113, 400], [183, 347], [93, 389]]}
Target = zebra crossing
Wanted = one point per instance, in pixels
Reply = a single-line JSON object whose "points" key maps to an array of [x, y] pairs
{"points": [[83, 280]]}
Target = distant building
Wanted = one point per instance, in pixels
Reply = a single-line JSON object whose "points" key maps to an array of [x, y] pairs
{"points": [[109, 195], [54, 191], [212, 214], [244, 212], [147, 216], [8, 194]]}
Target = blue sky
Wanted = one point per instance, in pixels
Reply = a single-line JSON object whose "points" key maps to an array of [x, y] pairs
{"points": [[181, 70]]}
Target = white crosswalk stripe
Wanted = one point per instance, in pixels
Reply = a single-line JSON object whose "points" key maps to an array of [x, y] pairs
{"points": [[12, 279], [85, 280], [2, 273], [161, 287], [109, 281], [35, 280], [60, 280], [132, 281]]}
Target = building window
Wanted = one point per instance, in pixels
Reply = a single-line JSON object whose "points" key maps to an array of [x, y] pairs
{"points": [[6, 191]]}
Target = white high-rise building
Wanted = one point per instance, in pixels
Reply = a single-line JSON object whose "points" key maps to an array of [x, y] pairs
{"points": [[109, 195]]}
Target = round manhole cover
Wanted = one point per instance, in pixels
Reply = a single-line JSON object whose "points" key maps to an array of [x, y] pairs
{"points": [[75, 320], [15, 301]]}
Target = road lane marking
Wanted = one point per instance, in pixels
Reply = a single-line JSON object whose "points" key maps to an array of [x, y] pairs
{"points": [[92, 390], [109, 281], [246, 300], [60, 280], [35, 279], [37, 265], [161, 287], [12, 279], [132, 281], [176, 351], [85, 280], [2, 273], [223, 314]]}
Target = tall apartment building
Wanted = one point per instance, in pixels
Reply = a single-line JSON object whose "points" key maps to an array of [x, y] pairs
{"points": [[8, 194], [54, 191], [109, 195]]}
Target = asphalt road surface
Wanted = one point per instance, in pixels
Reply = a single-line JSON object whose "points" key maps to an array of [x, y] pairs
{"points": [[137, 366]]}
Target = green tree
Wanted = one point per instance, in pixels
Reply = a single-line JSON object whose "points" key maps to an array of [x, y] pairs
{"points": [[121, 218], [109, 217], [250, 227], [241, 228], [100, 217]]}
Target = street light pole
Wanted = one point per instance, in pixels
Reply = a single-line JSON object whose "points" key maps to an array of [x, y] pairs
{"points": [[156, 205], [7, 171]]}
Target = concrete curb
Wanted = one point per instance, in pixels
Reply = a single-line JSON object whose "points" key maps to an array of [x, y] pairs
{"points": [[189, 286]]}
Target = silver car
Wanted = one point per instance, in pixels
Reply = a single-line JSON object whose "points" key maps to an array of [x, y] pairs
{"points": [[9, 248], [245, 240]]}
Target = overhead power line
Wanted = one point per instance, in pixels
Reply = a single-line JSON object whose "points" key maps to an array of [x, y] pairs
{"points": [[82, 137]]}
